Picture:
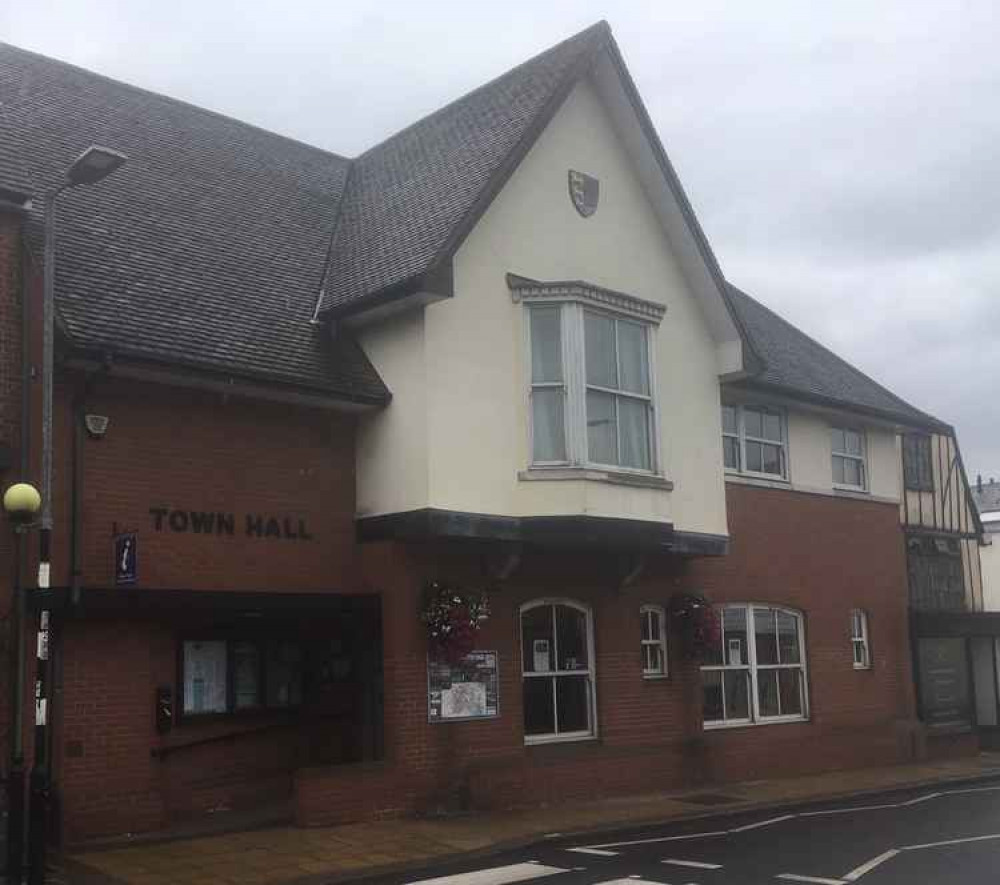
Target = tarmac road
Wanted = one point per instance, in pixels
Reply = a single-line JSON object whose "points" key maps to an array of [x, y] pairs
{"points": [[915, 837]]}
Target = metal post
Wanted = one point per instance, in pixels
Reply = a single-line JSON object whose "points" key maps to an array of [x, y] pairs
{"points": [[15, 780], [38, 808]]}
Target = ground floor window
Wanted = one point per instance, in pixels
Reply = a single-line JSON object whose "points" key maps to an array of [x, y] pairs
{"points": [[234, 675], [859, 639], [756, 672], [654, 640], [557, 663]]}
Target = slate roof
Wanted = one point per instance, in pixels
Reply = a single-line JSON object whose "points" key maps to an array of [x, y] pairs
{"points": [[15, 186], [798, 365], [986, 496], [218, 241], [206, 249], [410, 197]]}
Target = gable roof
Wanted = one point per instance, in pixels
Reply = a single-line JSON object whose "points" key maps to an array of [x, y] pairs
{"points": [[205, 250], [409, 198], [798, 365]]}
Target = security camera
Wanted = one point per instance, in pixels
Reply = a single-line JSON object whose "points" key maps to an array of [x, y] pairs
{"points": [[97, 425]]}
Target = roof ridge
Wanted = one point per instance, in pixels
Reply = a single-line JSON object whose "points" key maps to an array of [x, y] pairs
{"points": [[122, 84], [600, 27], [834, 355]]}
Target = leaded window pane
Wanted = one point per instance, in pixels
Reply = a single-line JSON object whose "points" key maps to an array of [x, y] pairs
{"points": [[602, 363], [765, 636], [548, 430], [789, 646], [539, 708], [546, 345], [602, 433], [633, 417], [633, 357]]}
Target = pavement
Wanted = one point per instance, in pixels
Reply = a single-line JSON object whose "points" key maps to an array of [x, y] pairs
{"points": [[398, 849]]}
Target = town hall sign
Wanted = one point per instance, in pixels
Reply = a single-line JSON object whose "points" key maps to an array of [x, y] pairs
{"points": [[253, 525]]}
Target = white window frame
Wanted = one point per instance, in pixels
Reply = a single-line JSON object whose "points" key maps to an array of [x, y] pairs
{"points": [[743, 438], [860, 640], [575, 386], [590, 671], [658, 641], [861, 459], [753, 668]]}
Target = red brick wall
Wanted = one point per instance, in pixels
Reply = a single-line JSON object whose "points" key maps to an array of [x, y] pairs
{"points": [[821, 555], [194, 451], [191, 451]]}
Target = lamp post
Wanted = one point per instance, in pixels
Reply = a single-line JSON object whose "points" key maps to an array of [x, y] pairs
{"points": [[21, 502], [93, 165]]}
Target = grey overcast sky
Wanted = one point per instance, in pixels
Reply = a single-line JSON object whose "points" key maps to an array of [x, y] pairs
{"points": [[842, 157]]}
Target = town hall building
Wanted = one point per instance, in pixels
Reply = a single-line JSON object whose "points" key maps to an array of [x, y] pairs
{"points": [[451, 476]]}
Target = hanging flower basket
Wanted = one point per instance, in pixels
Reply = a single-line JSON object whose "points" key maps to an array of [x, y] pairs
{"points": [[453, 618], [698, 623]]}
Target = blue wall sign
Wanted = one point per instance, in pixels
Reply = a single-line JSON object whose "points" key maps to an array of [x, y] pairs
{"points": [[126, 558]]}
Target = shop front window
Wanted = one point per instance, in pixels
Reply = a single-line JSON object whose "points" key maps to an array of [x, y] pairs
{"points": [[558, 671]]}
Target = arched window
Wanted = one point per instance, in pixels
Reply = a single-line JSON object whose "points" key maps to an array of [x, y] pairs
{"points": [[557, 663], [653, 641], [757, 672]]}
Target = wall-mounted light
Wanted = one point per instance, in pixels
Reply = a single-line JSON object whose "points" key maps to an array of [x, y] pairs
{"points": [[97, 425]]}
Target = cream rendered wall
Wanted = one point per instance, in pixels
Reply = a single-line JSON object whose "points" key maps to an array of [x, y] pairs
{"points": [[477, 367], [810, 455], [391, 455], [989, 558]]}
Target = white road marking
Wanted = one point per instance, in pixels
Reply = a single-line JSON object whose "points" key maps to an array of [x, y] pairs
{"points": [[660, 839], [518, 872], [631, 880], [920, 799], [697, 864], [601, 852], [845, 810], [870, 865], [818, 880], [763, 823], [950, 842]]}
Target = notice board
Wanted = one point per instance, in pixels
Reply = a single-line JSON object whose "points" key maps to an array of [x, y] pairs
{"points": [[945, 698], [465, 690]]}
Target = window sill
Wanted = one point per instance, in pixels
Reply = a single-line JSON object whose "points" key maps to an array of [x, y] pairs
{"points": [[655, 677], [861, 669], [547, 740], [725, 726], [851, 491], [597, 474]]}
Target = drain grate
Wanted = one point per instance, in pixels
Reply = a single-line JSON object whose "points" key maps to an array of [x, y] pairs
{"points": [[709, 799]]}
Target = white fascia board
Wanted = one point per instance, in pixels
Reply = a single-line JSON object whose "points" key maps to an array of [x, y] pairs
{"points": [[685, 242]]}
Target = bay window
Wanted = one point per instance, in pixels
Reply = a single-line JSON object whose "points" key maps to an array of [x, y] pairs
{"points": [[591, 388], [557, 664], [756, 672]]}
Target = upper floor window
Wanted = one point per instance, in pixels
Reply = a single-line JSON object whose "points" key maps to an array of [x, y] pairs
{"points": [[591, 388], [753, 440], [849, 467], [757, 671], [653, 643], [918, 471]]}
